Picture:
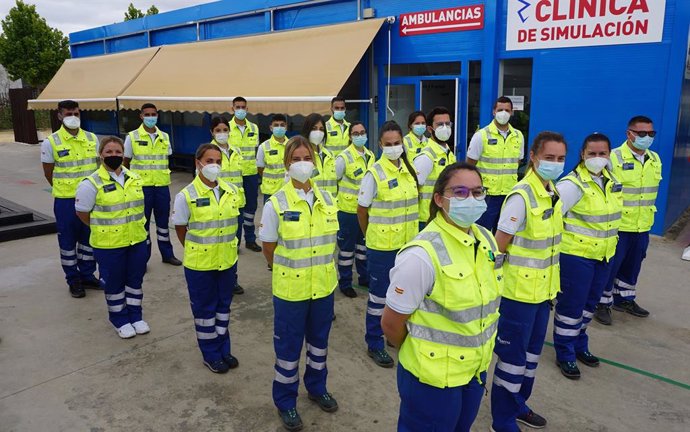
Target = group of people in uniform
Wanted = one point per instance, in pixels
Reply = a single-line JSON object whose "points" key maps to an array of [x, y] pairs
{"points": [[461, 260]]}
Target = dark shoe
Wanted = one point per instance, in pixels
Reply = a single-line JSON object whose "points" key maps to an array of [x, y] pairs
{"points": [[218, 366], [270, 267], [333, 317], [350, 292], [569, 369], [588, 359], [76, 290], [631, 307], [231, 361], [92, 283], [238, 289], [325, 401], [603, 315], [381, 358], [291, 419], [533, 420], [172, 261], [253, 246]]}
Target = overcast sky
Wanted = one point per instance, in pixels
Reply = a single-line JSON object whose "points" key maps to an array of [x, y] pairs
{"points": [[73, 15]]}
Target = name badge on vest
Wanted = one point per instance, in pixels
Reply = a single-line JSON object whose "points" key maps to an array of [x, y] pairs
{"points": [[628, 166], [419, 150], [617, 187], [547, 214], [273, 152], [109, 187], [499, 260], [493, 141], [291, 216], [250, 134], [358, 172], [142, 142], [203, 202], [333, 133], [392, 183], [63, 153], [442, 162]]}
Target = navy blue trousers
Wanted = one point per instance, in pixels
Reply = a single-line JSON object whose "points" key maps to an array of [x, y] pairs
{"points": [[379, 265], [122, 273], [351, 250], [293, 324], [157, 201], [625, 268], [425, 408], [582, 283], [489, 219], [246, 219], [210, 295], [521, 333], [76, 254]]}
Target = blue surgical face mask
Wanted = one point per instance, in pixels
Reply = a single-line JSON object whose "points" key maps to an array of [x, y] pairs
{"points": [[240, 114], [338, 115], [150, 122], [359, 140], [465, 212], [643, 143], [279, 131], [419, 129], [550, 170]]}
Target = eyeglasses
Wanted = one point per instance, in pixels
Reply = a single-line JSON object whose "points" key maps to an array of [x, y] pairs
{"points": [[354, 134], [643, 134], [462, 192], [449, 124]]}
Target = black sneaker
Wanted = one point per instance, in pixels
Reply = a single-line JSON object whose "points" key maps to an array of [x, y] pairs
{"points": [[631, 307], [602, 314], [76, 290], [253, 246], [172, 261], [569, 369], [217, 366], [325, 402], [533, 420], [381, 358], [588, 359], [91, 283], [291, 420], [350, 292], [231, 361], [238, 289]]}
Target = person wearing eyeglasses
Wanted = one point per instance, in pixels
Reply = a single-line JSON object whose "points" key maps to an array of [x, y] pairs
{"points": [[639, 169], [497, 150], [314, 130], [350, 167], [442, 308], [416, 139], [529, 233], [388, 214], [592, 203], [434, 157]]}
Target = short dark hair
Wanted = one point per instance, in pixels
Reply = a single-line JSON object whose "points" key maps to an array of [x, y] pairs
{"points": [[312, 120], [215, 121], [337, 99], [148, 105], [594, 137], [67, 104], [413, 116], [203, 148], [278, 117], [239, 99], [442, 183], [439, 110], [504, 99], [542, 138], [639, 119]]}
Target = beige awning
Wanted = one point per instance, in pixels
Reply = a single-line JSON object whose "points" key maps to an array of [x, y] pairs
{"points": [[292, 72], [94, 82]]}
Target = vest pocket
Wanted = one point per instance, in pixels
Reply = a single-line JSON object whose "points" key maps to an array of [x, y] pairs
{"points": [[433, 364], [527, 282], [462, 364]]}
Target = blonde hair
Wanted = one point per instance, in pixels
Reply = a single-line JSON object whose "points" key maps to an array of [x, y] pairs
{"points": [[110, 139], [293, 144]]}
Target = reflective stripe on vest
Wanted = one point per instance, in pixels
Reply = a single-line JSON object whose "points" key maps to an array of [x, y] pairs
{"points": [[75, 159], [440, 159], [326, 178], [150, 157], [499, 160], [337, 139], [247, 143], [356, 165], [273, 176]]}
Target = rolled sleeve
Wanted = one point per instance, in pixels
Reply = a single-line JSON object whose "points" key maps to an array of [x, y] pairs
{"points": [[47, 152], [411, 279], [85, 198], [181, 213], [268, 230], [367, 190]]}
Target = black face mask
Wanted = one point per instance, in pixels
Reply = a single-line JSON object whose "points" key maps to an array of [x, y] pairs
{"points": [[113, 162]]}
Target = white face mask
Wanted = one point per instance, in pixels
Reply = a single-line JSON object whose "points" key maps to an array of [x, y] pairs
{"points": [[316, 137], [301, 171], [221, 138], [596, 164], [211, 171], [71, 122], [502, 117], [393, 153], [443, 132]]}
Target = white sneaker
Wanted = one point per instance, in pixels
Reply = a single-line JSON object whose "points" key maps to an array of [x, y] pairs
{"points": [[141, 327], [126, 331], [686, 254]]}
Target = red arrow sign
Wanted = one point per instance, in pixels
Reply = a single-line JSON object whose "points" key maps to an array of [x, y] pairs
{"points": [[442, 20]]}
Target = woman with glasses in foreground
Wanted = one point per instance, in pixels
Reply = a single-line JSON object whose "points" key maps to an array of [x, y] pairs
{"points": [[442, 308]]}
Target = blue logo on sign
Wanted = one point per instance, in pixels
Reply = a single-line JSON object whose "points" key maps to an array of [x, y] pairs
{"points": [[525, 7]]}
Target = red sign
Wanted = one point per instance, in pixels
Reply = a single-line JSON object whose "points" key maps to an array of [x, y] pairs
{"points": [[442, 20]]}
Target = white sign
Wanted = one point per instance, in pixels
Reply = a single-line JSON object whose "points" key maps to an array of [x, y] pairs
{"points": [[518, 102], [537, 24]]}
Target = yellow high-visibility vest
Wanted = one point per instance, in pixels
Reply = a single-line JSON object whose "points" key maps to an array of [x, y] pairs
{"points": [[324, 172], [75, 158], [247, 142], [337, 139], [273, 177], [356, 165], [441, 159], [231, 168], [414, 145], [500, 158], [150, 158]]}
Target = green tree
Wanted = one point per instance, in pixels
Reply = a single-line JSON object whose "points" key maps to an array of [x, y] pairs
{"points": [[29, 48], [133, 13], [153, 10]]}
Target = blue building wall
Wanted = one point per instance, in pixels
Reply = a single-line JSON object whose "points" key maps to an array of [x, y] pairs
{"points": [[575, 91]]}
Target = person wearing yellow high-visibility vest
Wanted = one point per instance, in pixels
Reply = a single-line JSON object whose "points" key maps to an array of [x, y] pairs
{"points": [[639, 169], [337, 128], [68, 156], [433, 158], [592, 202], [230, 169], [269, 157], [388, 213], [111, 202], [146, 152], [313, 129], [205, 218], [244, 135], [442, 308], [298, 230], [529, 233], [416, 139], [497, 150], [350, 167]]}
